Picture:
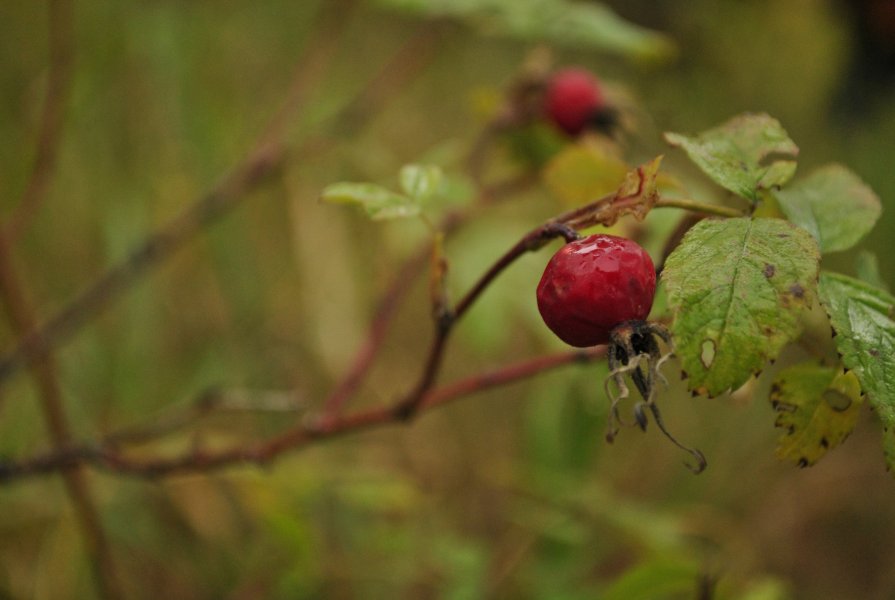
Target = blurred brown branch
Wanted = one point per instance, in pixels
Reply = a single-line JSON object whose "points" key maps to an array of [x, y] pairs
{"points": [[107, 456], [15, 295], [60, 18], [259, 166]]}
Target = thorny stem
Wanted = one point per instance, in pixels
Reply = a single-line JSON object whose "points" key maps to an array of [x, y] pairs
{"points": [[44, 372]]}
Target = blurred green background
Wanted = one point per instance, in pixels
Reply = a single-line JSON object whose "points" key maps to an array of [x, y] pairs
{"points": [[507, 494]]}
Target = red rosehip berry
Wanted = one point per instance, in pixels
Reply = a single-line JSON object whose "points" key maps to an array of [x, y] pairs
{"points": [[574, 100], [593, 284]]}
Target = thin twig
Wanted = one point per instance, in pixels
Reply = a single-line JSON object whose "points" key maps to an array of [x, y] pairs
{"points": [[260, 164], [106, 457], [700, 207], [214, 401], [61, 54], [15, 296]]}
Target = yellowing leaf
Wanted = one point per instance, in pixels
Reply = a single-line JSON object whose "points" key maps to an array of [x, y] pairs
{"points": [[583, 173], [863, 318], [636, 196], [818, 407]]}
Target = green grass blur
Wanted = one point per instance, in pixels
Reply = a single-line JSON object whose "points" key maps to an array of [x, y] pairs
{"points": [[507, 494]]}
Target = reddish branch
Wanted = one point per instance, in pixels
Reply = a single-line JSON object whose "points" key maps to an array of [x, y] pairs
{"points": [[43, 369], [109, 457], [17, 304]]}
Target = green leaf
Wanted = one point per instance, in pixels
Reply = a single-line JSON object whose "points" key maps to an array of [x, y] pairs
{"points": [[581, 174], [736, 288], [833, 205], [747, 154], [889, 449], [867, 270], [818, 407], [379, 202], [575, 24], [862, 318], [420, 182], [658, 578]]}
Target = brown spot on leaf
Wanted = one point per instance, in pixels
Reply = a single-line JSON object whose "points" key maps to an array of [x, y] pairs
{"points": [[797, 290], [824, 443], [873, 352], [836, 400], [769, 270]]}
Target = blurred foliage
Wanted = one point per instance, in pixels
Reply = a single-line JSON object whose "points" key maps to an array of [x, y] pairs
{"points": [[508, 494]]}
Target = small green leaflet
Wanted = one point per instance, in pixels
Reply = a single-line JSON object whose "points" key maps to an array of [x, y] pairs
{"points": [[736, 288], [379, 202], [574, 24], [863, 318], [818, 407], [833, 205], [419, 183], [747, 154]]}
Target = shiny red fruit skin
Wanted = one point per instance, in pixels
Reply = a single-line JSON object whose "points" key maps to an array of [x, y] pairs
{"points": [[573, 98], [593, 284]]}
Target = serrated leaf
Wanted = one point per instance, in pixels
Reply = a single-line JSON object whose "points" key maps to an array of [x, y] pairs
{"points": [[420, 182], [379, 202], [580, 174], [736, 288], [576, 24], [863, 318], [747, 154], [833, 205], [818, 407]]}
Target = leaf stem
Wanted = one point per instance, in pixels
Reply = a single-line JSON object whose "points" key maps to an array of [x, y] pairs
{"points": [[699, 207]]}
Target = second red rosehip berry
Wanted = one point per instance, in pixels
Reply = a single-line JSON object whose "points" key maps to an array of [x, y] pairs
{"points": [[574, 100], [592, 285]]}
